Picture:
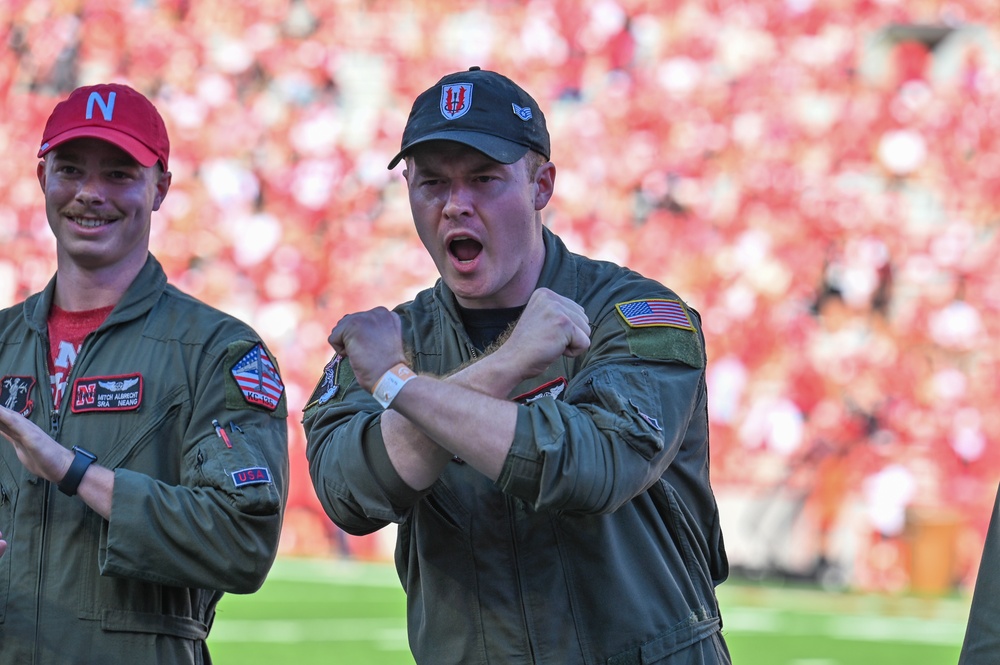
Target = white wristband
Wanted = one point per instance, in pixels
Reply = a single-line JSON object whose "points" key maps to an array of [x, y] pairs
{"points": [[391, 383]]}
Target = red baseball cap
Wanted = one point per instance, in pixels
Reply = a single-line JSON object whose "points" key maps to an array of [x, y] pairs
{"points": [[114, 113]]}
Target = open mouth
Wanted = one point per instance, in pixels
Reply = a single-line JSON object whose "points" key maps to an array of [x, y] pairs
{"points": [[465, 249], [89, 222]]}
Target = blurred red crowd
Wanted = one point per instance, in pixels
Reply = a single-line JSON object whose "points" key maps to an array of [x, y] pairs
{"points": [[819, 178]]}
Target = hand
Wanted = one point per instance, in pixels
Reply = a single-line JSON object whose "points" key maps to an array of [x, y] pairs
{"points": [[3, 545], [550, 326], [372, 341], [40, 454]]}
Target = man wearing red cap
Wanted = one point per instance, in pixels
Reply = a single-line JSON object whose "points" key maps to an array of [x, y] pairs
{"points": [[536, 423], [144, 462]]}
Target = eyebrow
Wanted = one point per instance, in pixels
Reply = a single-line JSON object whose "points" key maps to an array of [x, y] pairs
{"points": [[78, 155]]}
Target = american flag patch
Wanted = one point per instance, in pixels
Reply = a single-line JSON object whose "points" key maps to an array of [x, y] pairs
{"points": [[642, 313], [258, 379]]}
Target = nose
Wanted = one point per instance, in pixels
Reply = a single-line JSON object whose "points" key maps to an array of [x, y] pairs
{"points": [[90, 191], [458, 202]]}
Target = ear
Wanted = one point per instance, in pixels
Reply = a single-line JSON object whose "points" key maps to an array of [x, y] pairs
{"points": [[40, 172], [545, 182], [162, 186]]}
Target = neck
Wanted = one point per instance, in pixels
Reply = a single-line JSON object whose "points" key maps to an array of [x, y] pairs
{"points": [[79, 289]]}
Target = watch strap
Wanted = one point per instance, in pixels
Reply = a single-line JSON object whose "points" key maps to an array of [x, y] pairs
{"points": [[71, 481]]}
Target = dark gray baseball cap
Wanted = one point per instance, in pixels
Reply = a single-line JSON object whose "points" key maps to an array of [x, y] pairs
{"points": [[482, 109]]}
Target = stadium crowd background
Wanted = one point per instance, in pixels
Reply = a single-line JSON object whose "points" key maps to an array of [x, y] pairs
{"points": [[819, 178]]}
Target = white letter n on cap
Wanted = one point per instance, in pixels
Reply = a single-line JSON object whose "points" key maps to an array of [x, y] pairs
{"points": [[107, 110]]}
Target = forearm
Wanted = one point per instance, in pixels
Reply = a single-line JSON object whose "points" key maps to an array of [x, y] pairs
{"points": [[417, 458], [466, 415], [97, 489]]}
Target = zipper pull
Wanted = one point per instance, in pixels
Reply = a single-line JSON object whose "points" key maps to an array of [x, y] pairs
{"points": [[54, 423]]}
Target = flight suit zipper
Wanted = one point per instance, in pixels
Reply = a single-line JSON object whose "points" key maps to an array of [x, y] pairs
{"points": [[513, 507], [55, 426]]}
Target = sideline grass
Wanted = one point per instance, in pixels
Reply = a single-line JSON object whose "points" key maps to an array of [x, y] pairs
{"points": [[338, 612], [313, 611]]}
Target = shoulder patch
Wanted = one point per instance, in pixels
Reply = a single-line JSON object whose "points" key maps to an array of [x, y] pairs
{"points": [[654, 312], [253, 378], [328, 386], [337, 377], [661, 329]]}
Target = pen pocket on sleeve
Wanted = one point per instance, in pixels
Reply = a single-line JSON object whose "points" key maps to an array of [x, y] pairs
{"points": [[239, 468]]}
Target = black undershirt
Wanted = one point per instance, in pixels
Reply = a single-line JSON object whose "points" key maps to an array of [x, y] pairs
{"points": [[486, 325]]}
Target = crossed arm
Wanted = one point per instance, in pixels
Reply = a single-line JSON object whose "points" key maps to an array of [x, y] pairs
{"points": [[467, 413]]}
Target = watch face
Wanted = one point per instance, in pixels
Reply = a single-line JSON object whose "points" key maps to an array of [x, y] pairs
{"points": [[85, 453]]}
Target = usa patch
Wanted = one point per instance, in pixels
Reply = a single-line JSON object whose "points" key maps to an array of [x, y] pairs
{"points": [[254, 475], [456, 100], [107, 393], [258, 379], [655, 312], [15, 394]]}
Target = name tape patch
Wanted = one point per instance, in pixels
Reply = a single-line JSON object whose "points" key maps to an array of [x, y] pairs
{"points": [[107, 393]]}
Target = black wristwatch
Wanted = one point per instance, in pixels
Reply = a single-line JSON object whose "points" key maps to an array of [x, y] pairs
{"points": [[81, 462]]}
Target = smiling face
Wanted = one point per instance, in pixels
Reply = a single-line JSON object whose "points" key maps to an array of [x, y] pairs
{"points": [[480, 220], [99, 202]]}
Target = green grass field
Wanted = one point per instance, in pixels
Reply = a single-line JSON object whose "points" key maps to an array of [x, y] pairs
{"points": [[339, 612]]}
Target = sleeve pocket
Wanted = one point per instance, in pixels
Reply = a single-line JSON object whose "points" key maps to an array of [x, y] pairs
{"points": [[241, 472], [628, 410]]}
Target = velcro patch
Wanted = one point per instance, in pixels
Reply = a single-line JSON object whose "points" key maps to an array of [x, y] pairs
{"points": [[15, 394], [254, 475], [655, 312], [661, 329], [107, 393], [258, 379]]}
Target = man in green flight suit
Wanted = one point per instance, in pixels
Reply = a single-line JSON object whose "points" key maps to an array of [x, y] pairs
{"points": [[535, 424], [144, 458]]}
